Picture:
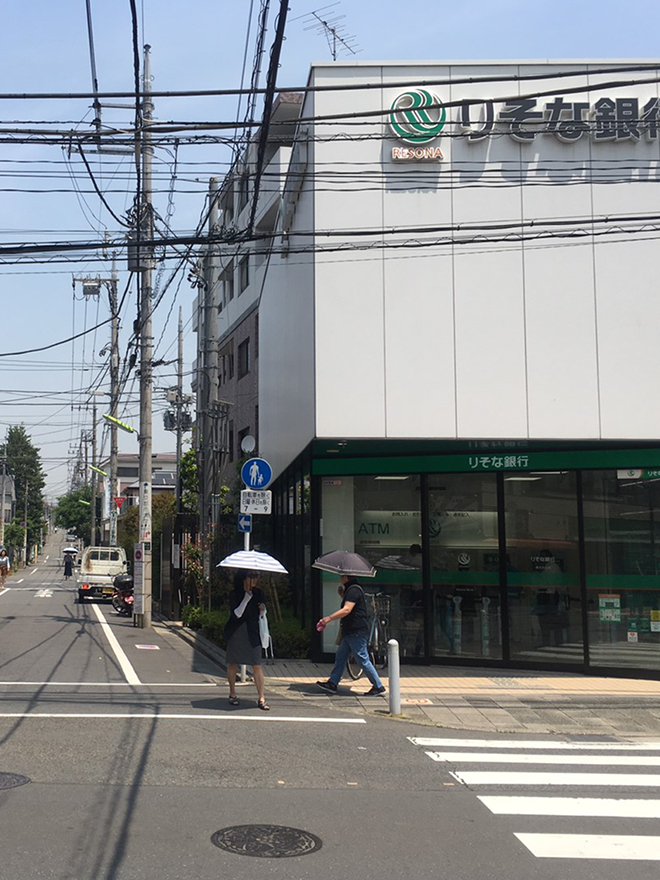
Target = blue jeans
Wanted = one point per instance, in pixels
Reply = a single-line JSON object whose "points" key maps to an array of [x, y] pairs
{"points": [[357, 646]]}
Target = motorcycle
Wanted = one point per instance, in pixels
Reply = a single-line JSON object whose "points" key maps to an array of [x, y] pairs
{"points": [[123, 598]]}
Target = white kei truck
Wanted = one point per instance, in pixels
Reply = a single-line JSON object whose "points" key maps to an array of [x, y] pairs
{"points": [[99, 567]]}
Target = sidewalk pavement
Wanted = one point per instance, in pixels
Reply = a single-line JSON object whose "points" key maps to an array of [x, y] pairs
{"points": [[493, 701]]}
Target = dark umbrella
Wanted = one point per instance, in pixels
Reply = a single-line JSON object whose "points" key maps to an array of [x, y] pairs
{"points": [[346, 563]]}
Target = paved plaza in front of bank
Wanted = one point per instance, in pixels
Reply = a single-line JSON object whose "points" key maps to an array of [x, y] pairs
{"points": [[500, 701]]}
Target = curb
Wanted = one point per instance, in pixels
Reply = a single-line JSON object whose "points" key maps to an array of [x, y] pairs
{"points": [[198, 642]]}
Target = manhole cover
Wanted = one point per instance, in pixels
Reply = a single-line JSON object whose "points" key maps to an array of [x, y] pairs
{"points": [[266, 841], [12, 780]]}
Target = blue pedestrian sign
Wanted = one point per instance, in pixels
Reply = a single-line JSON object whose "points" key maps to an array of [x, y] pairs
{"points": [[256, 473], [245, 522]]}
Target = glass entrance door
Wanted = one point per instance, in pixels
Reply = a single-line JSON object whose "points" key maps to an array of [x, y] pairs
{"points": [[465, 582], [543, 568]]}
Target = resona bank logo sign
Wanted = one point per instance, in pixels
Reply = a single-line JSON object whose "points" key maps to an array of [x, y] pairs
{"points": [[417, 118]]}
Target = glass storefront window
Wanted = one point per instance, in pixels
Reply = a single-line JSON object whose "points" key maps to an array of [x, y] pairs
{"points": [[379, 518], [622, 558], [465, 581], [543, 567]]}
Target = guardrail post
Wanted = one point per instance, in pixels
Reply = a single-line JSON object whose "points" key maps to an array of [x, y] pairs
{"points": [[394, 676]]}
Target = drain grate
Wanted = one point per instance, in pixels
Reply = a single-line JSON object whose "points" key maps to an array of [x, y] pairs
{"points": [[12, 780], [266, 841]]}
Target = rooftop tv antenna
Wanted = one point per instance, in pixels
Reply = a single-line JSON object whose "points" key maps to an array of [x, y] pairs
{"points": [[327, 23]]}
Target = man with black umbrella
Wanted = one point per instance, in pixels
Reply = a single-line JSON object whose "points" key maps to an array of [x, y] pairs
{"points": [[354, 622]]}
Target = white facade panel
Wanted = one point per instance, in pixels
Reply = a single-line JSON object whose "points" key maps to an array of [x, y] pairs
{"points": [[628, 321], [488, 278], [350, 350], [559, 294], [419, 309], [626, 177], [286, 343]]}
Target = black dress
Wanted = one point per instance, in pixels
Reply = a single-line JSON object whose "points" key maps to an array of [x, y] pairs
{"points": [[242, 633]]}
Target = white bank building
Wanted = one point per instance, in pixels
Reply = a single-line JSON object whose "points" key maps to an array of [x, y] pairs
{"points": [[458, 357]]}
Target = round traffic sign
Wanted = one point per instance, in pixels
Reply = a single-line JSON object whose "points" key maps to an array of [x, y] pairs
{"points": [[256, 473]]}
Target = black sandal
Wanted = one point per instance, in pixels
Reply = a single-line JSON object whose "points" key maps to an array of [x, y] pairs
{"points": [[263, 705], [234, 701]]}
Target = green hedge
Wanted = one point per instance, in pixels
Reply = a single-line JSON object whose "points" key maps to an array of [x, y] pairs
{"points": [[289, 640]]}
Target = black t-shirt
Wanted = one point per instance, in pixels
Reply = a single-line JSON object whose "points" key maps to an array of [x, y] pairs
{"points": [[357, 622]]}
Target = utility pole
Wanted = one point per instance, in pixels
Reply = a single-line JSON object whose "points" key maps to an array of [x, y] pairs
{"points": [[114, 399], [208, 380], [25, 520], [94, 479], [2, 506], [179, 413], [145, 230]]}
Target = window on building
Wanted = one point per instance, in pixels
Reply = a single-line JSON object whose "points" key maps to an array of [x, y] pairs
{"points": [[256, 335], [244, 358], [243, 191], [230, 442], [244, 273], [227, 278]]}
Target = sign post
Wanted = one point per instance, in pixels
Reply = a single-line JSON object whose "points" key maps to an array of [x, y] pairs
{"points": [[138, 578], [256, 473]]}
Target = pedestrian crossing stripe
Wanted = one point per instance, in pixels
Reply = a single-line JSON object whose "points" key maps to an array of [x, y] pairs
{"points": [[592, 846], [586, 753], [605, 808], [501, 758], [508, 777], [429, 742]]}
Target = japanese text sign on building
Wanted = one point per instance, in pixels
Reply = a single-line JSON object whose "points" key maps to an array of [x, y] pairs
{"points": [[607, 119], [498, 462], [419, 119]]}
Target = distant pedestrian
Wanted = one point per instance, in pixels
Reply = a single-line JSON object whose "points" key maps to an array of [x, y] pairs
{"points": [[354, 622], [68, 566], [5, 566], [246, 603]]}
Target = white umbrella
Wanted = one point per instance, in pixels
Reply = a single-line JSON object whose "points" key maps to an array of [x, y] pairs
{"points": [[253, 560], [70, 550]]}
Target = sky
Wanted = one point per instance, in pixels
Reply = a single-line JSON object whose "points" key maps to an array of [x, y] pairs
{"points": [[45, 193]]}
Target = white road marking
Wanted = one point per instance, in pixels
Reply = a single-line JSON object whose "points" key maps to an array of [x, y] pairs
{"points": [[504, 758], [430, 742], [43, 594], [152, 716], [106, 684], [488, 777], [613, 808], [122, 659], [46, 559], [2, 592], [592, 846], [21, 581], [35, 571]]}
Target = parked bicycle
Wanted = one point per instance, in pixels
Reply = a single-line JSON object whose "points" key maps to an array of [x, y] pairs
{"points": [[380, 606]]}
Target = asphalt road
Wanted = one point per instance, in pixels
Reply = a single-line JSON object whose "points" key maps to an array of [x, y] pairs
{"points": [[136, 760]]}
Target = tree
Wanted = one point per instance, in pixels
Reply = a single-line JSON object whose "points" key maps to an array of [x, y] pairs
{"points": [[24, 462], [189, 482], [74, 516]]}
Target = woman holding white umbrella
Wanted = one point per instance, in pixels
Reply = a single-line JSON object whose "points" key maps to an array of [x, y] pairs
{"points": [[247, 604]]}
